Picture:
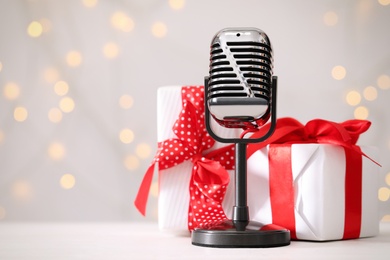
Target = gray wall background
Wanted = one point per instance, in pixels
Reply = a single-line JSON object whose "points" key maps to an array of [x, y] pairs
{"points": [[37, 152]]}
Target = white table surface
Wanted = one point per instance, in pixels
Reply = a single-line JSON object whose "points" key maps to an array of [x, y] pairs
{"points": [[145, 241]]}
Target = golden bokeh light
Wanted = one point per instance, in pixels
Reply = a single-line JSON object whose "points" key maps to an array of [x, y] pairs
{"points": [[353, 98], [90, 3], [55, 115], [2, 213], [56, 151], [61, 88], [35, 29], [20, 114], [330, 18], [361, 112], [46, 24], [338, 72], [159, 29], [131, 162], [110, 50], [66, 104], [126, 101], [11, 91], [1, 136], [384, 194], [22, 190], [143, 150], [370, 93], [387, 178], [1, 66], [154, 189], [386, 218], [122, 22], [51, 75], [73, 58], [384, 2], [176, 4], [383, 82], [67, 181], [126, 136]]}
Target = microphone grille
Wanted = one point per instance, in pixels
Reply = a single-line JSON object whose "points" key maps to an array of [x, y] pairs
{"points": [[241, 64]]}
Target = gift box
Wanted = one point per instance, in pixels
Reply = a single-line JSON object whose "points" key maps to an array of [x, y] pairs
{"points": [[313, 193], [311, 179], [183, 143]]}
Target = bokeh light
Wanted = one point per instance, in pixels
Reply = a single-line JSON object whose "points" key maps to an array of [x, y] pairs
{"points": [[61, 88], [353, 98], [56, 151], [22, 190], [131, 162], [384, 2], [361, 112], [386, 218], [55, 115], [387, 178], [11, 91], [176, 4], [330, 18], [383, 82], [1, 66], [35, 29], [159, 29], [90, 3], [110, 50], [46, 24], [126, 101], [51, 75], [67, 181], [73, 58], [339, 72], [1, 136], [126, 136], [66, 104], [20, 114], [384, 194], [143, 150], [122, 22], [2, 213], [370, 93], [154, 189]]}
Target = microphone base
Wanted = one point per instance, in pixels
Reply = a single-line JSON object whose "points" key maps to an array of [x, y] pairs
{"points": [[223, 234]]}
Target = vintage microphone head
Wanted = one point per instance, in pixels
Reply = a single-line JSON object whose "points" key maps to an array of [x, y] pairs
{"points": [[240, 79]]}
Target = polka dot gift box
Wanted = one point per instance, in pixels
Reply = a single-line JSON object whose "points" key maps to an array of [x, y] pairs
{"points": [[194, 170]]}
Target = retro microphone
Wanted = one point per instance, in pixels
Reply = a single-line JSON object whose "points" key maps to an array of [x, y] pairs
{"points": [[240, 92]]}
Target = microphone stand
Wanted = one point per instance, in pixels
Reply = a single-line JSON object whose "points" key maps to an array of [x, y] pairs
{"points": [[240, 231]]}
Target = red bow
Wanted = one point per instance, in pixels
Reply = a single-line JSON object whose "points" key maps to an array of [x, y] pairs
{"points": [[209, 176], [289, 130]]}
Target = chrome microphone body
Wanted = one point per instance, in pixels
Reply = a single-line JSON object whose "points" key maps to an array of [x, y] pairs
{"points": [[240, 78]]}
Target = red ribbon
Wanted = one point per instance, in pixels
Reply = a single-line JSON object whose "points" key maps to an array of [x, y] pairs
{"points": [[289, 131], [209, 176]]}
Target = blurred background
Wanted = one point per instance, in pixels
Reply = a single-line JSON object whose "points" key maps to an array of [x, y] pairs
{"points": [[79, 80]]}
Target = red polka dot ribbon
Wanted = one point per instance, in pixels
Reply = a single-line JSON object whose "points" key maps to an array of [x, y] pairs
{"points": [[209, 176]]}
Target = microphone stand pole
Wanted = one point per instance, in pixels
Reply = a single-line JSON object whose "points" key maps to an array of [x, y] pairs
{"points": [[240, 209]]}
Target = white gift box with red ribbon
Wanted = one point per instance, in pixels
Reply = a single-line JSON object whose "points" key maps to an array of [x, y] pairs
{"points": [[318, 176]]}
